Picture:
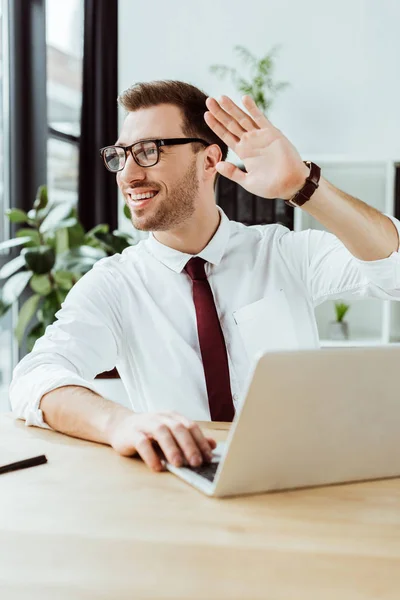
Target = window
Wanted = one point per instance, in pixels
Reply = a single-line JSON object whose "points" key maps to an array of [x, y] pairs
{"points": [[4, 197], [64, 37], [8, 355], [8, 349]]}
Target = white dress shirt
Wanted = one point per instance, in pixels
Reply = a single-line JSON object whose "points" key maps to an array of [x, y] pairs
{"points": [[135, 311]]}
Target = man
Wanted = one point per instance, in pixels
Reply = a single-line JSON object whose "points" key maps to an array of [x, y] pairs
{"points": [[182, 313]]}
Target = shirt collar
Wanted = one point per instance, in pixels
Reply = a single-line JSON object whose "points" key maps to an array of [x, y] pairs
{"points": [[176, 260]]}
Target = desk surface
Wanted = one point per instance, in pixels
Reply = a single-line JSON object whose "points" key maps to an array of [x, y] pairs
{"points": [[91, 524]]}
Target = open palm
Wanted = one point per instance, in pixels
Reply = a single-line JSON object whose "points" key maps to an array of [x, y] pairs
{"points": [[274, 167]]}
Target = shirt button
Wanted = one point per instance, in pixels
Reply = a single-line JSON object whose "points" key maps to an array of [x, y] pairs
{"points": [[235, 397]]}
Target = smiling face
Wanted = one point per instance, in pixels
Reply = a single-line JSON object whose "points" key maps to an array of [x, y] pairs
{"points": [[164, 196]]}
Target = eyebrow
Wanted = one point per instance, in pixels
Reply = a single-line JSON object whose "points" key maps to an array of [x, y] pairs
{"points": [[147, 139]]}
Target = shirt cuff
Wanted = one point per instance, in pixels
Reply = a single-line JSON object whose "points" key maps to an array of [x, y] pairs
{"points": [[23, 388]]}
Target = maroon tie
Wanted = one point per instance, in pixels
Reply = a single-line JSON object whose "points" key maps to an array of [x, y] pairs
{"points": [[212, 344]]}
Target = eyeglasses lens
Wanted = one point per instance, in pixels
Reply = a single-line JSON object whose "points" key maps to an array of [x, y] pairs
{"points": [[146, 153], [114, 158]]}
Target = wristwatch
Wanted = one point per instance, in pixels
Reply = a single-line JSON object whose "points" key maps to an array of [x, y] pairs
{"points": [[311, 184]]}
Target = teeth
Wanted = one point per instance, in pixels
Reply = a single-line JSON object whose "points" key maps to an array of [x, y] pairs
{"points": [[143, 196]]}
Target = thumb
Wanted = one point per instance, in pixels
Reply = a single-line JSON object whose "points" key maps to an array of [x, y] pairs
{"points": [[232, 172]]}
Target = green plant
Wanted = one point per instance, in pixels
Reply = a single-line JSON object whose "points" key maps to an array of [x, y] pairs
{"points": [[260, 86], [341, 310], [54, 253]]}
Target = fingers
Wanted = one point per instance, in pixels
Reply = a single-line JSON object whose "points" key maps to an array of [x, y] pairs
{"points": [[230, 115], [191, 441], [232, 172], [172, 448], [179, 439], [201, 441], [147, 452], [256, 113], [222, 132], [224, 113]]}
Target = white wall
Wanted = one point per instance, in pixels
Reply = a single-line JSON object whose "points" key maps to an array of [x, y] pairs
{"points": [[341, 57]]}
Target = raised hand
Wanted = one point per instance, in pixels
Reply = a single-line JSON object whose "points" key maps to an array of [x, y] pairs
{"points": [[274, 167]]}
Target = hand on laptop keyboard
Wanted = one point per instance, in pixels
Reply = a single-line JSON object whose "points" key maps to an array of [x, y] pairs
{"points": [[177, 439]]}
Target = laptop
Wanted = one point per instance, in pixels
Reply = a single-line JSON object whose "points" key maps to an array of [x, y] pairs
{"points": [[309, 418]]}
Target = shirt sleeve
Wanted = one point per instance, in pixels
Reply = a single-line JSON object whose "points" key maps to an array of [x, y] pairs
{"points": [[83, 341], [330, 271]]}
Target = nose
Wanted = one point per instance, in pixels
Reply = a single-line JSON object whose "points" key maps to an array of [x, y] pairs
{"points": [[131, 171]]}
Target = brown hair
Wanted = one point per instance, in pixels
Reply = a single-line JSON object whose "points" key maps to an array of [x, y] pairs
{"points": [[188, 98]]}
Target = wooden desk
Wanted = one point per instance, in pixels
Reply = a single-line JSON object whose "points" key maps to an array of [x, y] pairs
{"points": [[91, 524]]}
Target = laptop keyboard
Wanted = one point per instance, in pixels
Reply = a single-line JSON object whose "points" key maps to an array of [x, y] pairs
{"points": [[207, 470]]}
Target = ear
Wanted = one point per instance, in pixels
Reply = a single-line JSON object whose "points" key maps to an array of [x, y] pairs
{"points": [[212, 156]]}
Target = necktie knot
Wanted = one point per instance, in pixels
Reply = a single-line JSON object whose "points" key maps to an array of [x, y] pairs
{"points": [[195, 268]]}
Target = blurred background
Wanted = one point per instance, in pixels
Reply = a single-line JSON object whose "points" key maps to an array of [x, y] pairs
{"points": [[330, 79]]}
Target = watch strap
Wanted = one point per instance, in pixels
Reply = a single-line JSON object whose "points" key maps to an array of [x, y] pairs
{"points": [[311, 184]]}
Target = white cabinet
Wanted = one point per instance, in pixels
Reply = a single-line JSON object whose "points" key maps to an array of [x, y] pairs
{"points": [[371, 321]]}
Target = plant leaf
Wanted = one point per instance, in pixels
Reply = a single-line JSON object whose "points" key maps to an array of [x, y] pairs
{"points": [[62, 241], [49, 308], [31, 233], [26, 313], [4, 308], [41, 259], [80, 259], [41, 284], [14, 286], [112, 243], [126, 236], [41, 198], [127, 212], [64, 279], [76, 236], [35, 333], [16, 215], [61, 295], [222, 71], [66, 223], [14, 242], [32, 215], [58, 213], [88, 252], [102, 228], [245, 55], [341, 310], [12, 267]]}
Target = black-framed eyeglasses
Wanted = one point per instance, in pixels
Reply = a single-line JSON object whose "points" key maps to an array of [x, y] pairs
{"points": [[145, 153]]}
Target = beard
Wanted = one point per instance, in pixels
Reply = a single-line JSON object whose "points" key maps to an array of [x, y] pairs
{"points": [[173, 210]]}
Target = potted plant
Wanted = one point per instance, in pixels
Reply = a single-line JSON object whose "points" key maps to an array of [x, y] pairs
{"points": [[55, 252], [339, 329], [260, 84]]}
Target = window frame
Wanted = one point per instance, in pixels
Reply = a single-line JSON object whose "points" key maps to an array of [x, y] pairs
{"points": [[61, 136], [5, 91]]}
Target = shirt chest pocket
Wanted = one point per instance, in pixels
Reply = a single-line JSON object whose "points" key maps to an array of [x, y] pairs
{"points": [[267, 325]]}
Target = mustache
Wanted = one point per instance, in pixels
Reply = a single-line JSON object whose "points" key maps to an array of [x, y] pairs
{"points": [[142, 184]]}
